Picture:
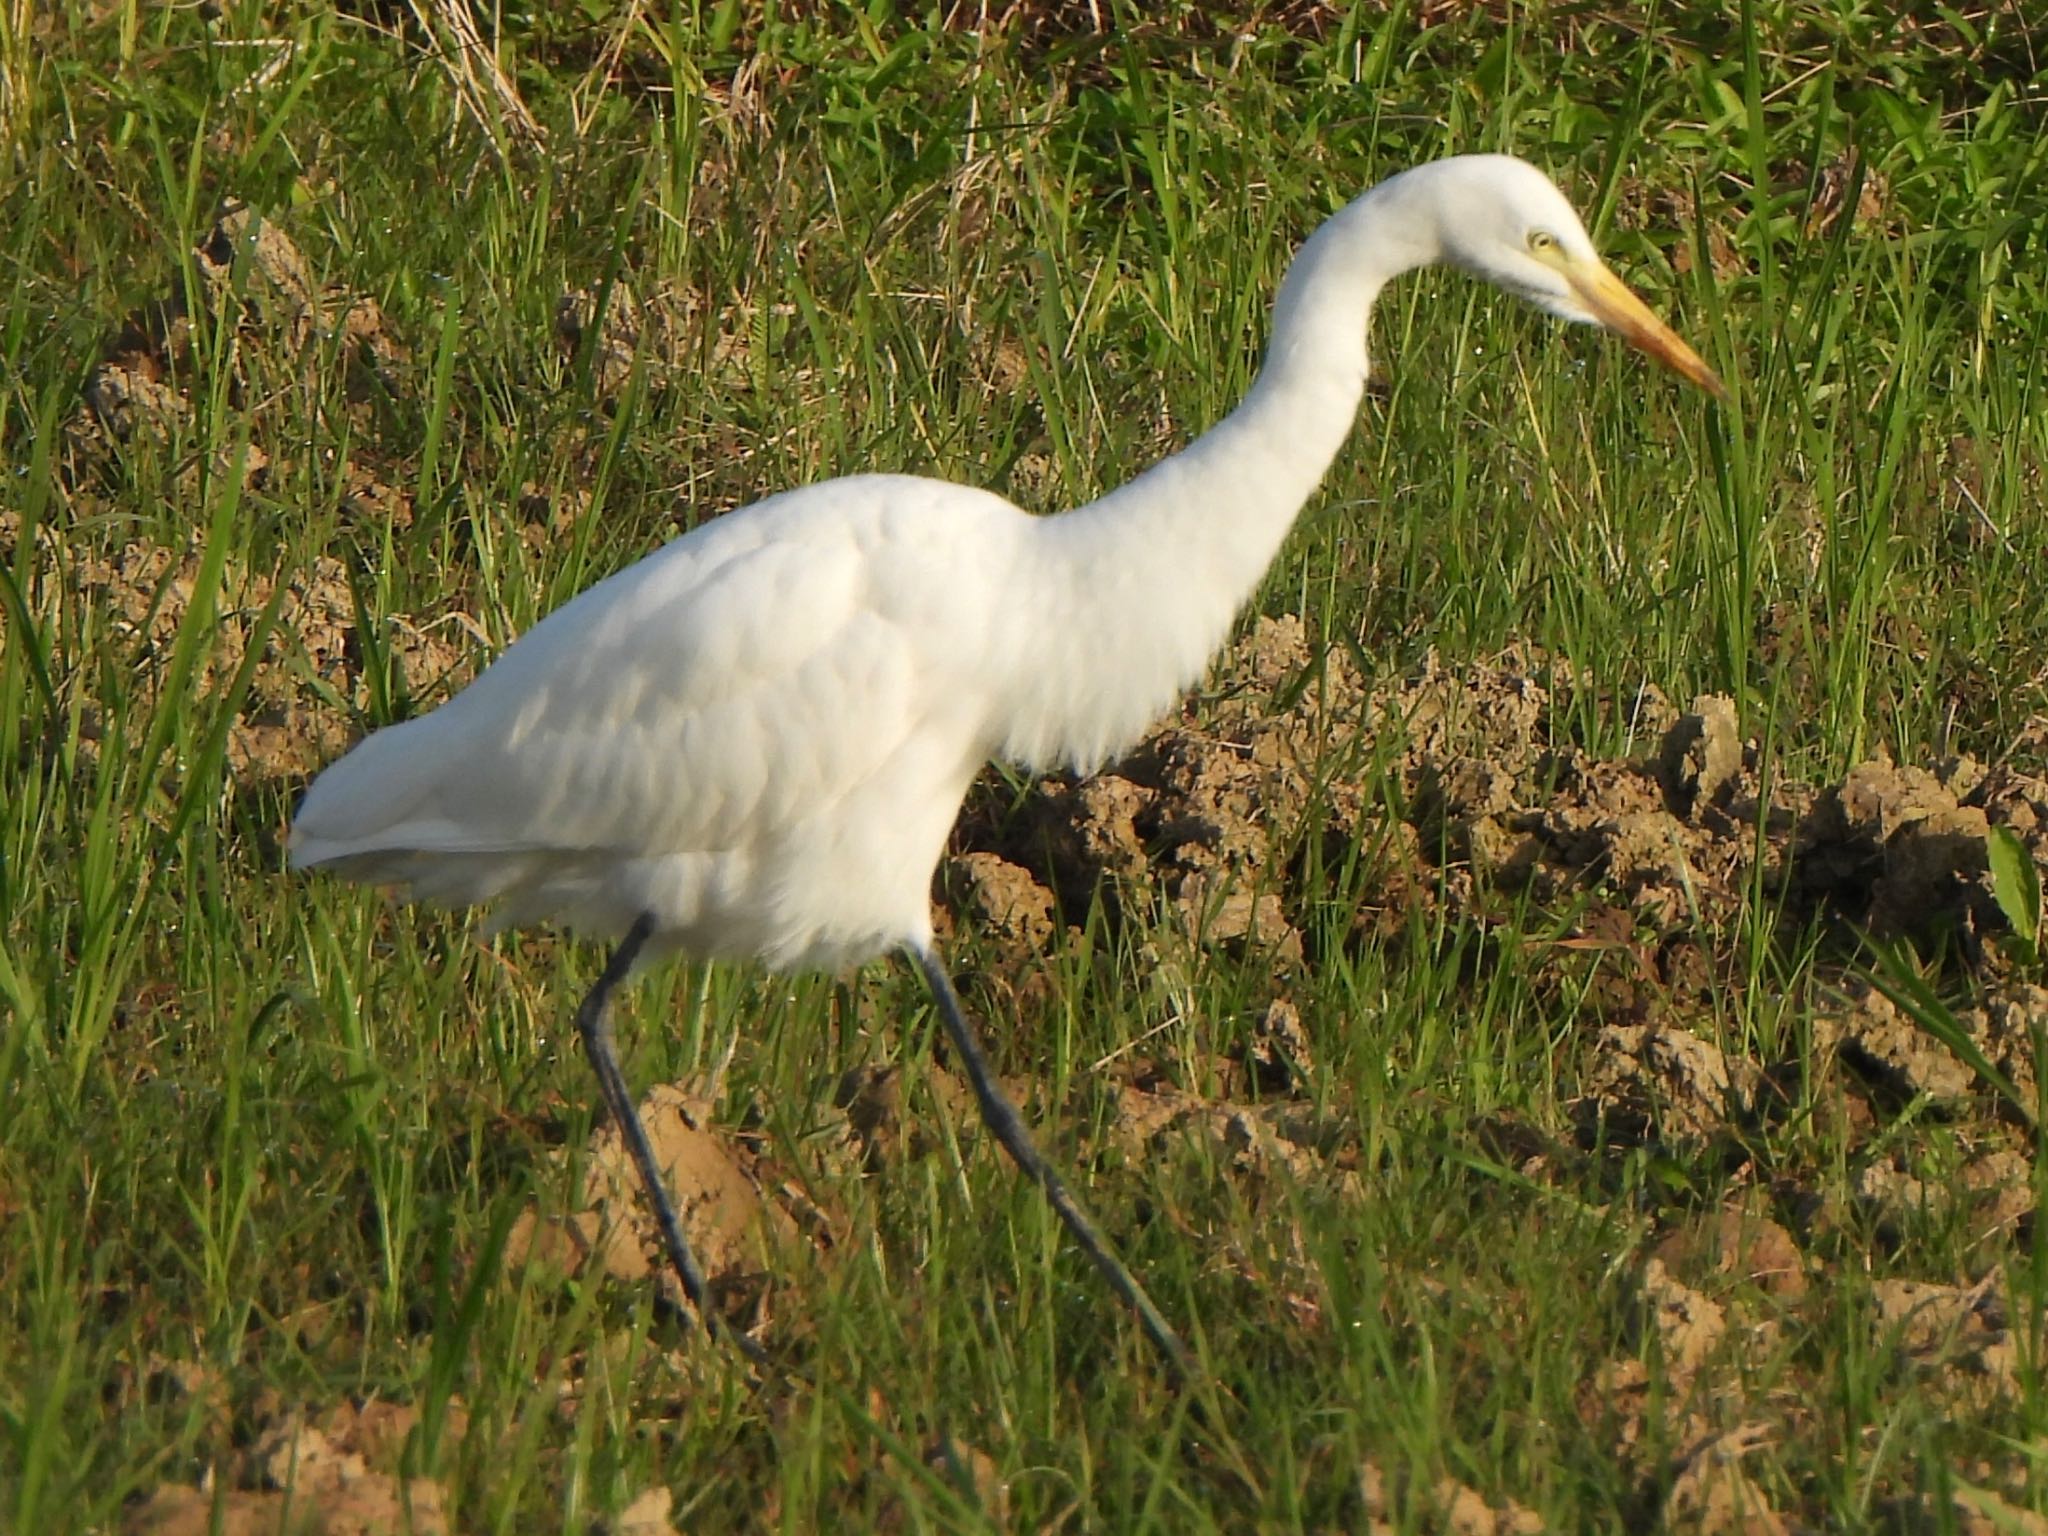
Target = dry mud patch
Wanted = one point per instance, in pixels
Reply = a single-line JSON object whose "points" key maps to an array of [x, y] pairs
{"points": [[252, 289], [250, 319], [338, 1471], [306, 363], [1464, 798], [331, 1473]]}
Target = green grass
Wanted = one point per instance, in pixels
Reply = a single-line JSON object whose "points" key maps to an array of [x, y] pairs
{"points": [[270, 1126]]}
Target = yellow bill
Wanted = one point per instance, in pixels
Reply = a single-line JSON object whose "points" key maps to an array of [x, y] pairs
{"points": [[1611, 303]]}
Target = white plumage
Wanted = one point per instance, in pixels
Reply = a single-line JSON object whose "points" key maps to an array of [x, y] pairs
{"points": [[753, 742]]}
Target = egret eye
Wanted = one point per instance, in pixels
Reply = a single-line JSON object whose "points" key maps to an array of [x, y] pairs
{"points": [[1542, 242]]}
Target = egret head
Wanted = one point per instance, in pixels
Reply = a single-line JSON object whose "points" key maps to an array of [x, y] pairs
{"points": [[1502, 219]]}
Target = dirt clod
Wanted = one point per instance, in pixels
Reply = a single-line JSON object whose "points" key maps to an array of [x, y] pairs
{"points": [[254, 286], [729, 1219], [1661, 1083], [618, 331], [1686, 1324], [648, 1515], [1003, 898], [972, 1471], [1254, 1140], [1889, 1049], [1981, 1512], [337, 1475], [1702, 754], [1958, 1339], [1279, 1056], [303, 629], [1735, 1247], [1449, 1505], [1711, 1495]]}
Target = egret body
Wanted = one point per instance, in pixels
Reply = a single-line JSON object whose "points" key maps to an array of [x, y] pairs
{"points": [[752, 743]]}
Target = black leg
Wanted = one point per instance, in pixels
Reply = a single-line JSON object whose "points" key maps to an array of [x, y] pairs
{"points": [[593, 1023], [1002, 1118]]}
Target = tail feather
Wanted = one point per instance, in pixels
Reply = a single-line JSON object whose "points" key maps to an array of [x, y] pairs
{"points": [[387, 798]]}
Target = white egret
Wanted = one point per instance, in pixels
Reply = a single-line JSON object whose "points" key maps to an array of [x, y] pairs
{"points": [[752, 743]]}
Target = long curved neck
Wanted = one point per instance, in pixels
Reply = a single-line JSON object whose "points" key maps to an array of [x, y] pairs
{"points": [[1154, 573]]}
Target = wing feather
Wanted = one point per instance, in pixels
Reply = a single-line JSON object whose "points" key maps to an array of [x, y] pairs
{"points": [[758, 733], [663, 709]]}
